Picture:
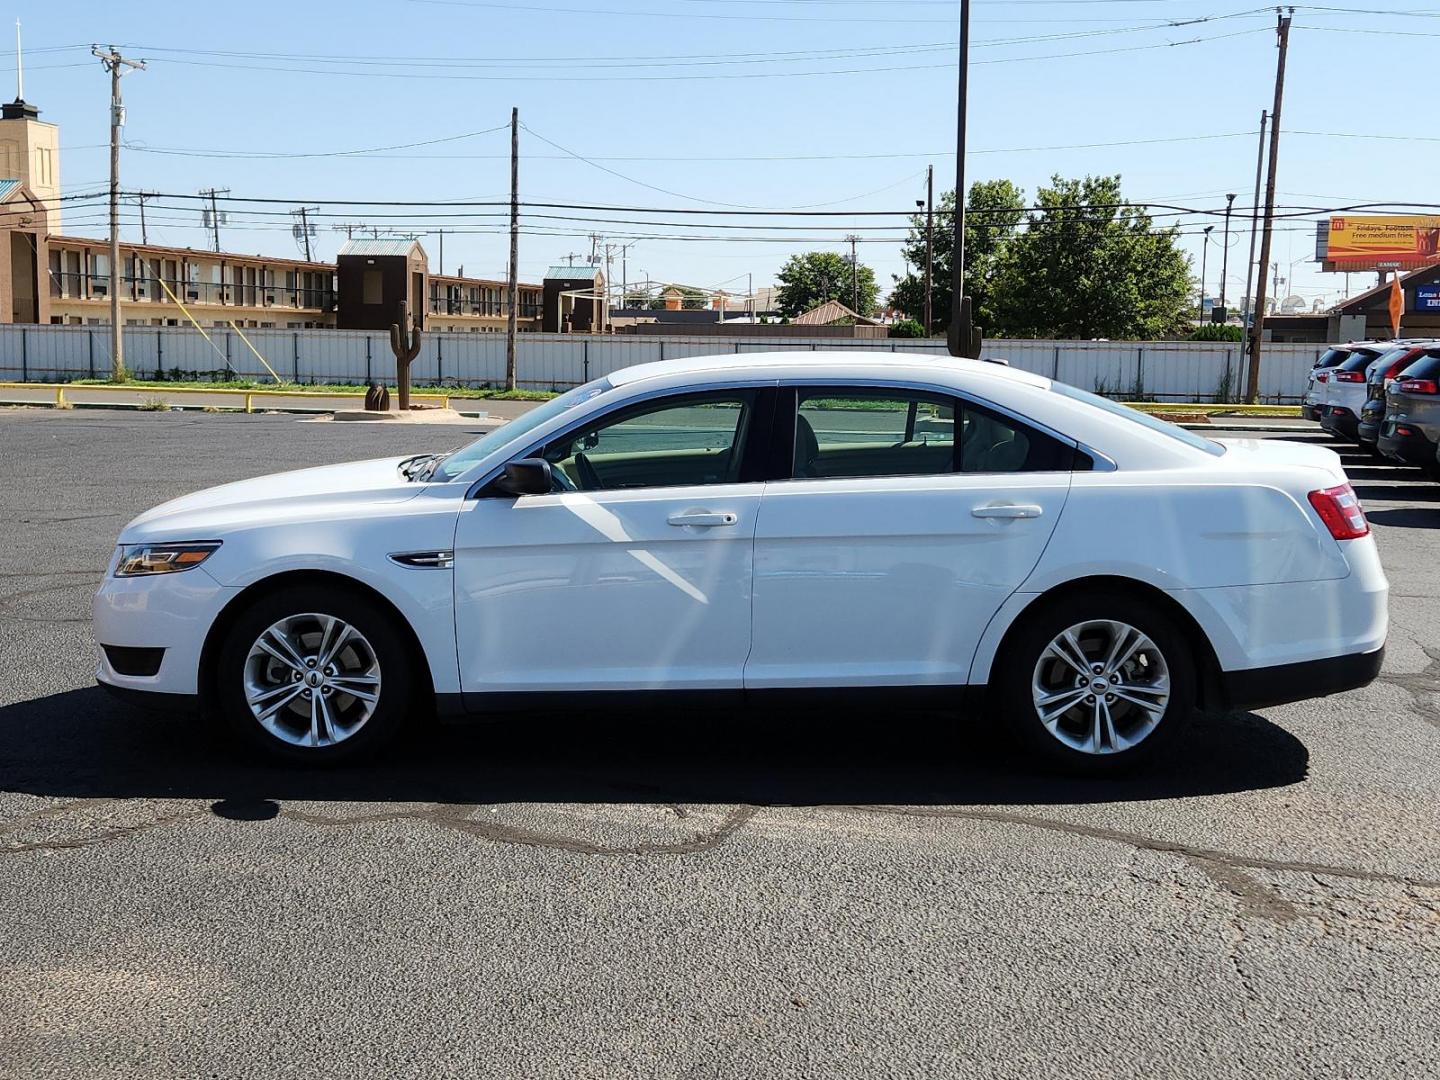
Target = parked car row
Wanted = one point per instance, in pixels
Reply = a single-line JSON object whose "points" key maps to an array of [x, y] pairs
{"points": [[1384, 395]]}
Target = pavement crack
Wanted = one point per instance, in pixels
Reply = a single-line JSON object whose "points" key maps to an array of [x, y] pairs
{"points": [[1422, 686], [1150, 843], [455, 816], [102, 836]]}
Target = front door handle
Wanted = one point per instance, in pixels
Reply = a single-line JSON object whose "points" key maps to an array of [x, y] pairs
{"points": [[703, 518], [1007, 510]]}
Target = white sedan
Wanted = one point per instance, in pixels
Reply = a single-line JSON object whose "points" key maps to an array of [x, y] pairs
{"points": [[896, 529]]}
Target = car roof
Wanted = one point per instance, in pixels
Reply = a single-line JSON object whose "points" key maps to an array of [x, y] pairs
{"points": [[831, 363]]}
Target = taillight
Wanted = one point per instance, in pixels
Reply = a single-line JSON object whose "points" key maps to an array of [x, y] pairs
{"points": [[1417, 386], [1349, 376], [1340, 510], [1322, 377]]}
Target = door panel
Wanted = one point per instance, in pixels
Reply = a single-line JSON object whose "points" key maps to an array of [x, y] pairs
{"points": [[892, 580], [601, 590]]}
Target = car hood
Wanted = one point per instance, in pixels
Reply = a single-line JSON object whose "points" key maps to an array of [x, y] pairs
{"points": [[274, 499], [1267, 453]]}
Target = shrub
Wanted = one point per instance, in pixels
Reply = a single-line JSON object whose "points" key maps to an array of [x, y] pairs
{"points": [[1216, 332], [907, 328]]}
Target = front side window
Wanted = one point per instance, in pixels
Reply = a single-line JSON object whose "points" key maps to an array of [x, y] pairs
{"points": [[678, 442], [850, 433]]}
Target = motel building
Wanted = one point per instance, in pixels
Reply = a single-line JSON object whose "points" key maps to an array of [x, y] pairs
{"points": [[48, 277]]}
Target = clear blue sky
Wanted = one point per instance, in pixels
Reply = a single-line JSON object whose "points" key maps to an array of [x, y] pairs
{"points": [[635, 85]]}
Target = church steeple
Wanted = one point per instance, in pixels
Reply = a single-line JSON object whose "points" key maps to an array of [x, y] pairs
{"points": [[19, 109]]}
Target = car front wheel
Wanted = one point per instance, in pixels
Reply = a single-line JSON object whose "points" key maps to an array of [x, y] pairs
{"points": [[1097, 683], [313, 674]]}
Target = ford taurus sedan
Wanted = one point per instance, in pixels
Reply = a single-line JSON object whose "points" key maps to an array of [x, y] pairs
{"points": [[889, 531]]}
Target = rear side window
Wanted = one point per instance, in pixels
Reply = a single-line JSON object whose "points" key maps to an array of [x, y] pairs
{"points": [[1359, 360], [1425, 366], [852, 433]]}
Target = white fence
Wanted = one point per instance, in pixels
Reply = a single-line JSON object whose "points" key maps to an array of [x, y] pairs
{"points": [[1160, 370]]}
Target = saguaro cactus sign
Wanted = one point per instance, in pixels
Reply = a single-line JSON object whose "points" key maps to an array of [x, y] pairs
{"points": [[405, 350]]}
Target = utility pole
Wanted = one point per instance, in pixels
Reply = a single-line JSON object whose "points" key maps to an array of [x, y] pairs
{"points": [[116, 65], [304, 230], [1204, 259], [140, 197], [214, 221], [961, 336], [929, 248], [512, 286], [1246, 303], [852, 240], [1253, 381], [1225, 252], [442, 251]]}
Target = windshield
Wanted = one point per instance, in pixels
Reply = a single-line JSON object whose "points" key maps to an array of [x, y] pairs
{"points": [[516, 430], [1114, 408]]}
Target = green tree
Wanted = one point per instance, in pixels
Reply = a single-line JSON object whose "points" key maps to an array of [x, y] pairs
{"points": [[810, 279], [1087, 266], [993, 212]]}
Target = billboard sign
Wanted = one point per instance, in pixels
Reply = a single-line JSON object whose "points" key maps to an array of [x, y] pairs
{"points": [[1427, 298], [1382, 242]]}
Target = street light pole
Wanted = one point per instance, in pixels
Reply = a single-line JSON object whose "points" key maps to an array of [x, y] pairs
{"points": [[929, 247], [1225, 252], [960, 330]]}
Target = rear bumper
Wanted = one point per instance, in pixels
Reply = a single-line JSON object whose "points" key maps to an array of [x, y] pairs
{"points": [[1415, 449], [1368, 431], [1258, 688], [1310, 412], [1340, 421]]}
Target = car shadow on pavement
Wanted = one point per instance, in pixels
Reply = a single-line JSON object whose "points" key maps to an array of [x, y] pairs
{"points": [[84, 744], [1406, 517], [1417, 493]]}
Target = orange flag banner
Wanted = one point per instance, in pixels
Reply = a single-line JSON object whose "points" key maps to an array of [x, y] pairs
{"points": [[1397, 305]]}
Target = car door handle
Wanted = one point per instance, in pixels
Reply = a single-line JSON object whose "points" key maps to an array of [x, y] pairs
{"points": [[703, 518], [1007, 510]]}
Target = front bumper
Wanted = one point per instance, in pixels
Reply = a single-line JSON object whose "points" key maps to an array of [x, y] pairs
{"points": [[1414, 449], [173, 612], [1258, 688]]}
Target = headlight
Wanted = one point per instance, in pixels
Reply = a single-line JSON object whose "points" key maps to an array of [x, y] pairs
{"points": [[138, 559]]}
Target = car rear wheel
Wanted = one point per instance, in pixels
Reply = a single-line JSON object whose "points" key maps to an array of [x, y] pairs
{"points": [[1097, 683], [314, 675]]}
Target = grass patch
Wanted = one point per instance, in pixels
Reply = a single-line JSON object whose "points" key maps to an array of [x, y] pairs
{"points": [[467, 392]]}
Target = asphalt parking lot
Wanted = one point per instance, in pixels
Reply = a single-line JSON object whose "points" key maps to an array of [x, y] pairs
{"points": [[698, 896]]}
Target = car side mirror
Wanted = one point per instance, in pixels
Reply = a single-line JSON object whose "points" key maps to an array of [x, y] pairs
{"points": [[526, 476]]}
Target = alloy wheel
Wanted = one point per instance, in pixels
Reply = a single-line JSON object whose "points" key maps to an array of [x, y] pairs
{"points": [[1101, 687], [312, 680]]}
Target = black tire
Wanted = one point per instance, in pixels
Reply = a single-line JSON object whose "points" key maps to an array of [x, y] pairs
{"points": [[1016, 671], [397, 696]]}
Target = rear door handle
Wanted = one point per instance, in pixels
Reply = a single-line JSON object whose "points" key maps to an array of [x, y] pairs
{"points": [[703, 518], [1007, 510]]}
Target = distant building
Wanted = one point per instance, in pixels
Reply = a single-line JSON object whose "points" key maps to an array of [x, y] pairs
{"points": [[832, 313], [575, 301], [47, 277]]}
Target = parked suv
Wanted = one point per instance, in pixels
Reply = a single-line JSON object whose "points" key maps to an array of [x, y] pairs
{"points": [[1319, 374], [1341, 395], [1378, 377], [1410, 431]]}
